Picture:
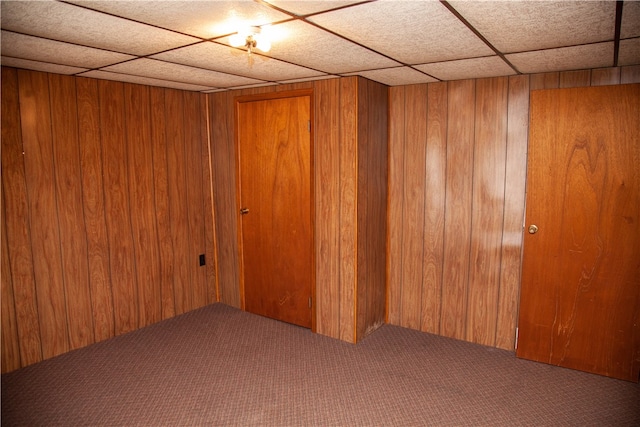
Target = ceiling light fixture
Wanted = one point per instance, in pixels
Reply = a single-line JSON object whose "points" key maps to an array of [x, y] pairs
{"points": [[251, 38]]}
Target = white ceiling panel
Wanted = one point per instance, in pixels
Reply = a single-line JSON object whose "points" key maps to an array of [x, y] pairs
{"points": [[629, 52], [309, 7], [630, 26], [225, 59], [412, 32], [105, 75], [320, 50], [397, 76], [204, 19], [68, 23], [517, 26], [146, 67], [492, 66], [44, 50], [40, 66], [597, 55], [174, 43]]}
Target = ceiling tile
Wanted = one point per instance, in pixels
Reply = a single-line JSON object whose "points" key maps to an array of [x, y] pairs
{"points": [[204, 19], [253, 86], [630, 26], [517, 26], [308, 79], [306, 7], [145, 67], [412, 32], [44, 50], [39, 66], [225, 59], [105, 75], [596, 55], [73, 24], [315, 48], [396, 76], [492, 66], [629, 53]]}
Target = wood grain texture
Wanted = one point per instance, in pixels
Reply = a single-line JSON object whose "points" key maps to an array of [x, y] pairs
{"points": [[630, 74], [224, 192], [514, 192], [435, 195], [15, 208], [327, 196], [10, 358], [116, 193], [488, 208], [396, 148], [349, 207], [605, 76], [413, 204], [86, 210], [545, 81], [43, 215], [141, 200], [94, 208], [458, 208], [371, 206], [211, 249], [66, 158], [579, 290], [575, 78], [162, 203]]}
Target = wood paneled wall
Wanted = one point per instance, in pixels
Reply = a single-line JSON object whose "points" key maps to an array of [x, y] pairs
{"points": [[106, 206], [339, 183], [457, 171]]}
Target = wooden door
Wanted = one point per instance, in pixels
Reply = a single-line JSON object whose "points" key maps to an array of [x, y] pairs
{"points": [[276, 244], [580, 296]]}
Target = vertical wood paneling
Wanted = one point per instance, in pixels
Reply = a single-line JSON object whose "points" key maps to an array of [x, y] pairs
{"points": [[435, 186], [116, 192], [161, 200], [211, 285], [372, 206], [396, 148], [488, 208], [327, 196], [545, 81], [575, 78], [413, 204], [178, 199], [195, 198], [141, 191], [514, 192], [86, 211], [10, 342], [224, 183], [93, 207], [66, 158], [630, 74], [458, 206], [15, 210], [43, 215], [348, 210], [605, 76]]}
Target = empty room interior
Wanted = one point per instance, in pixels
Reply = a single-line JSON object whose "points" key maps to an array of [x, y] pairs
{"points": [[320, 212]]}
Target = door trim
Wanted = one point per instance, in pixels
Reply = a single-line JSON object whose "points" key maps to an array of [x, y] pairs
{"points": [[262, 97]]}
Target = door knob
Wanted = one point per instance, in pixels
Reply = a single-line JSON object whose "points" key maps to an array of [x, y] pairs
{"points": [[533, 229], [244, 211]]}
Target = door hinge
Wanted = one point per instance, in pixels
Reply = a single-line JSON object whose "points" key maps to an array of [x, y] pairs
{"points": [[309, 125], [309, 302], [517, 332]]}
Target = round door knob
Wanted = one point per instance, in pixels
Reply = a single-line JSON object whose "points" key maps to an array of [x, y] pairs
{"points": [[533, 229]]}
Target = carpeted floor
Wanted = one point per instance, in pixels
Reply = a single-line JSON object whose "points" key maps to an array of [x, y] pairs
{"points": [[221, 366]]}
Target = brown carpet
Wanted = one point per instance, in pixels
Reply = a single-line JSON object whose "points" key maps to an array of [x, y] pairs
{"points": [[221, 366]]}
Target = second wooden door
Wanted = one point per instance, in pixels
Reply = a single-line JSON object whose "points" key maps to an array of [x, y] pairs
{"points": [[275, 193], [580, 295]]}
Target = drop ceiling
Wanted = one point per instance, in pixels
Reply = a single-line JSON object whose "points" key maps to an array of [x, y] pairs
{"points": [[185, 44]]}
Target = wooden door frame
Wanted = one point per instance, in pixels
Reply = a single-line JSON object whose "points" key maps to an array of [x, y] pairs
{"points": [[264, 97]]}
